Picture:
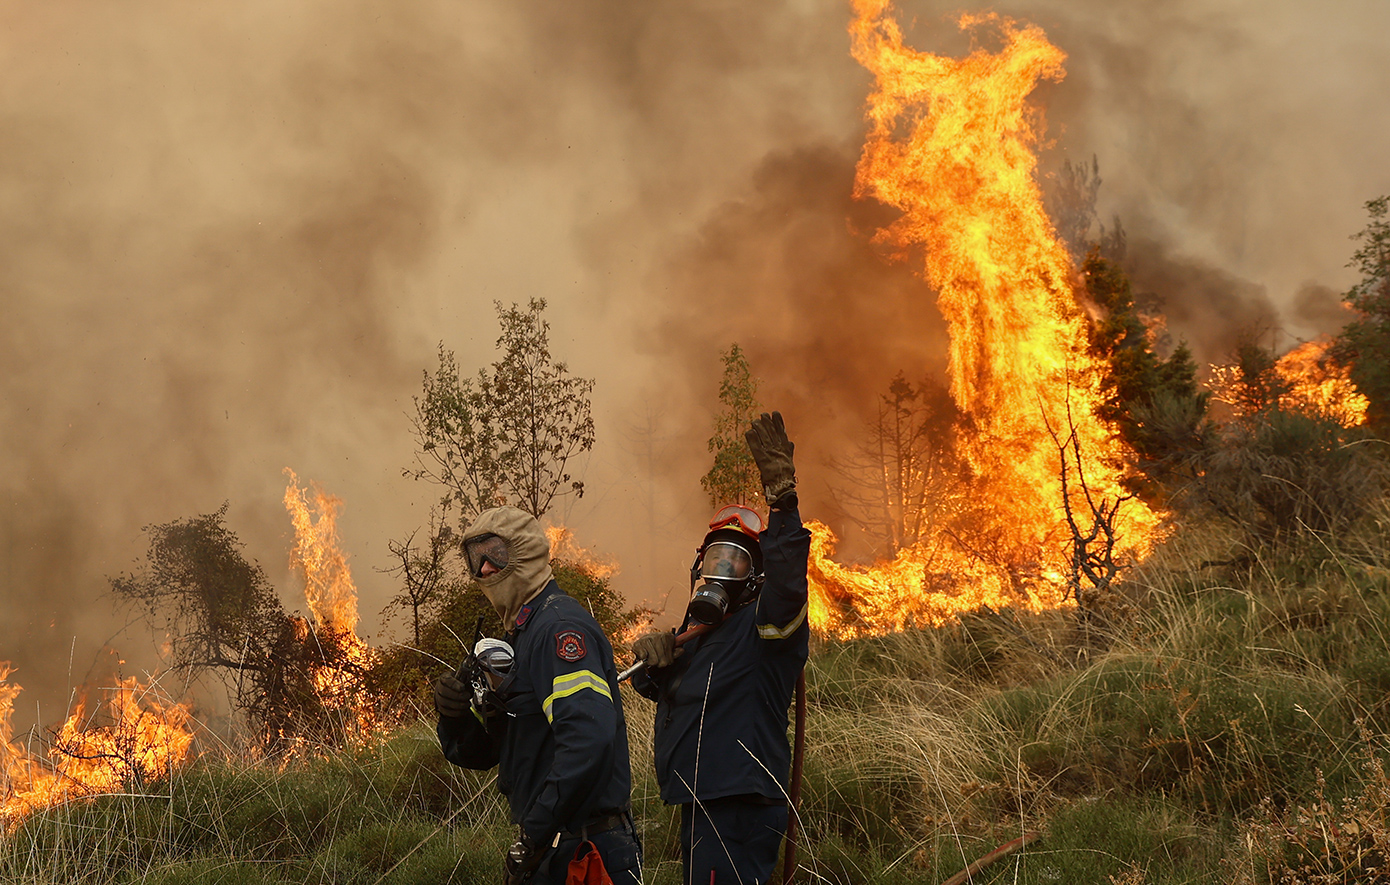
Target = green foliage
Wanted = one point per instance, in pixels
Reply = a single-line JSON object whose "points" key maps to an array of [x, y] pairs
{"points": [[1155, 403], [1326, 841], [1282, 474], [733, 478], [506, 436], [1151, 840], [1364, 344], [345, 817]]}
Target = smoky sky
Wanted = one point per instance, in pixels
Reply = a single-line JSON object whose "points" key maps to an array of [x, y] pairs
{"points": [[232, 237]]}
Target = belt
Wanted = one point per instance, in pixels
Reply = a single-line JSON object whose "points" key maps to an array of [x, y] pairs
{"points": [[601, 824]]}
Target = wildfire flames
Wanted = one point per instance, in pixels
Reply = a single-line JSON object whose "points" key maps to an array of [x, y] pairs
{"points": [[563, 546], [1311, 383], [317, 556], [951, 146], [128, 739]]}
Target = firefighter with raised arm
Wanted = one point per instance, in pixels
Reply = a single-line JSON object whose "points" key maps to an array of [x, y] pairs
{"points": [[544, 707], [722, 696]]}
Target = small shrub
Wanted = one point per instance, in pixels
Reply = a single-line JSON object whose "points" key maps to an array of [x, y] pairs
{"points": [[1325, 842]]}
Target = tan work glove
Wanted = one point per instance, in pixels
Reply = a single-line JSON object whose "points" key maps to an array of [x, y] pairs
{"points": [[656, 649], [772, 452]]}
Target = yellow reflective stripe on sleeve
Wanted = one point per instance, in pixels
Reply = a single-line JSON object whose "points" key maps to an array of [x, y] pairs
{"points": [[572, 683], [772, 631], [476, 715]]}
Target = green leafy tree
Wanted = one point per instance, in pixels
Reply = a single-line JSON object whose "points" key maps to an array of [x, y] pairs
{"points": [[733, 478], [507, 435], [1364, 344], [1155, 403]]}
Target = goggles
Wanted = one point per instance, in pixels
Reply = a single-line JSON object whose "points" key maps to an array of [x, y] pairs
{"points": [[485, 548], [739, 518], [725, 560]]}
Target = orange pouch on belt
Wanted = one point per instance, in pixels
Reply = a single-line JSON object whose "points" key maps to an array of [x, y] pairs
{"points": [[587, 867]]}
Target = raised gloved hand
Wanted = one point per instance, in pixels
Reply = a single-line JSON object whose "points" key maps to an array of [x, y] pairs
{"points": [[772, 452], [656, 649], [451, 696], [522, 859]]}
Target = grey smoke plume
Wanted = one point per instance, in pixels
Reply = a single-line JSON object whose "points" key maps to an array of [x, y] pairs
{"points": [[231, 238]]}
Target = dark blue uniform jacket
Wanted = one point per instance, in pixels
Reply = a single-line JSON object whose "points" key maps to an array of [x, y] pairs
{"points": [[721, 711], [562, 754]]}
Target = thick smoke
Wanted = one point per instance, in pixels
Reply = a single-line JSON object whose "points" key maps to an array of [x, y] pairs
{"points": [[231, 238]]}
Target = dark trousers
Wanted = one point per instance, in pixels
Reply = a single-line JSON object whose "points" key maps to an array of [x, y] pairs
{"points": [[731, 841], [620, 848]]}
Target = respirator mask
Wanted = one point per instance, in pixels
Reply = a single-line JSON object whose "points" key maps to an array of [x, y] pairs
{"points": [[727, 567]]}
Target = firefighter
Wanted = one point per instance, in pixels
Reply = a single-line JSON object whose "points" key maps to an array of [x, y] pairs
{"points": [[722, 697], [544, 707]]}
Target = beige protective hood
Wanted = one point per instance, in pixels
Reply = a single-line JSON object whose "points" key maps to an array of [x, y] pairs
{"points": [[528, 559]]}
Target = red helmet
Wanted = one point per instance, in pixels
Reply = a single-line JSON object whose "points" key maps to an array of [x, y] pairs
{"points": [[730, 561], [739, 518]]}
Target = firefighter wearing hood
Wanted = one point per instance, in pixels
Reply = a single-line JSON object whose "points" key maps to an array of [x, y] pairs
{"points": [[549, 715], [722, 697]]}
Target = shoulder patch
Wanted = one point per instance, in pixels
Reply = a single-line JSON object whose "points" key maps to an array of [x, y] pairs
{"points": [[569, 645]]}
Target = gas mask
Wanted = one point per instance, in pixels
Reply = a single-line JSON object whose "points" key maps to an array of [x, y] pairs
{"points": [[727, 567]]}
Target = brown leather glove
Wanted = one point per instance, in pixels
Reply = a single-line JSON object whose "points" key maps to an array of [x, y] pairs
{"points": [[772, 452], [656, 649], [451, 696]]}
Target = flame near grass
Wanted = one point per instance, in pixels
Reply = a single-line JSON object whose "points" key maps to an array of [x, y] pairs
{"points": [[951, 145]]}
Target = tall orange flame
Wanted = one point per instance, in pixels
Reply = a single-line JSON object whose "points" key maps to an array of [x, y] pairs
{"points": [[317, 556], [129, 739], [951, 145]]}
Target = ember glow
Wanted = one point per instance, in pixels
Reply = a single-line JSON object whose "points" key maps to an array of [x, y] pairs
{"points": [[951, 145], [125, 739], [317, 556]]}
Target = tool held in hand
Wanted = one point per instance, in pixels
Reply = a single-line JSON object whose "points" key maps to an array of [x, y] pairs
{"points": [[681, 639]]}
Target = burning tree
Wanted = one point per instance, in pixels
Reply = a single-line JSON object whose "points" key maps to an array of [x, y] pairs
{"points": [[295, 679], [950, 146], [219, 613], [1364, 345], [504, 437], [1284, 464], [902, 482], [1154, 403]]}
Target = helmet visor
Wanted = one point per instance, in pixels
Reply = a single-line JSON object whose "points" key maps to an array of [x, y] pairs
{"points": [[485, 548], [726, 560]]}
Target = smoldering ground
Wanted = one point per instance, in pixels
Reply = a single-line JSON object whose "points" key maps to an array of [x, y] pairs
{"points": [[231, 238]]}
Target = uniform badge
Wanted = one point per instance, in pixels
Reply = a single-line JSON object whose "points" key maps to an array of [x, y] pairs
{"points": [[569, 645], [523, 616]]}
